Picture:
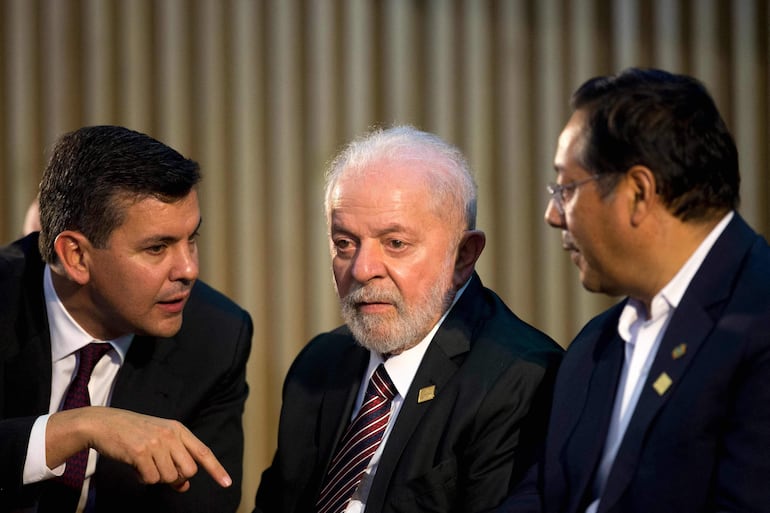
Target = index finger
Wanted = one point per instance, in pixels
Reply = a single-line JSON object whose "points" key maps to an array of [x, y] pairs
{"points": [[201, 453]]}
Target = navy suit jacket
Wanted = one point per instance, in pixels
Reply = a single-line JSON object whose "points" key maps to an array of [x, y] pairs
{"points": [[699, 444], [196, 377], [459, 452]]}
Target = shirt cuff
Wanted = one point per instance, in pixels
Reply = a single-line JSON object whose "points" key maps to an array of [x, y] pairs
{"points": [[35, 468]]}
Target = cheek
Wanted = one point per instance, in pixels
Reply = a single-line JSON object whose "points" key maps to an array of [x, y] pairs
{"points": [[413, 281], [341, 273], [143, 285]]}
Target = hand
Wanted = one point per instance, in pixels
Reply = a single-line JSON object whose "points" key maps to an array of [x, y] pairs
{"points": [[161, 450]]}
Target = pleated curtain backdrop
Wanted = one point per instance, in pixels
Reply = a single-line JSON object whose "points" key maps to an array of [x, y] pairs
{"points": [[262, 94]]}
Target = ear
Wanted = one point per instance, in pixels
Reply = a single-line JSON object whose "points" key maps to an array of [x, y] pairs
{"points": [[468, 252], [72, 249], [641, 181]]}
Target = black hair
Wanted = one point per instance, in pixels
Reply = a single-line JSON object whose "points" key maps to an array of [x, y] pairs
{"points": [[94, 170], [668, 123]]}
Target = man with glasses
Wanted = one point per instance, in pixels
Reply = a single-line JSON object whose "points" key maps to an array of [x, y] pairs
{"points": [[662, 403]]}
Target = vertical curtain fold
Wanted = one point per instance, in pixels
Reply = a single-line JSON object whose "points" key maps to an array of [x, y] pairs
{"points": [[263, 94]]}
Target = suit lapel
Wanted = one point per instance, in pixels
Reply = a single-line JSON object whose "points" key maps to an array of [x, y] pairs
{"points": [[144, 383], [689, 327], [339, 397], [440, 362], [693, 322], [588, 429], [436, 370]]}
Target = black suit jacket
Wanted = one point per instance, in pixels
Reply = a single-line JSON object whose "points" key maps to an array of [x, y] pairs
{"points": [[459, 452], [196, 377], [701, 444]]}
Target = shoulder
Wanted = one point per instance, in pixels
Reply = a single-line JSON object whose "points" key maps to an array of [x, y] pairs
{"points": [[330, 346], [18, 256], [214, 324], [754, 273], [329, 360], [21, 277], [599, 328], [500, 334], [207, 304]]}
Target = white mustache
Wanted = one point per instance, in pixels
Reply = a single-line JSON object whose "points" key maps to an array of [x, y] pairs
{"points": [[368, 295]]}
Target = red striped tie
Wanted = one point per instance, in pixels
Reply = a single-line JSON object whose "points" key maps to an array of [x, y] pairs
{"points": [[358, 444]]}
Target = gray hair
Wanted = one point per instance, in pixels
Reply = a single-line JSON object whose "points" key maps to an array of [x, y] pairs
{"points": [[455, 187]]}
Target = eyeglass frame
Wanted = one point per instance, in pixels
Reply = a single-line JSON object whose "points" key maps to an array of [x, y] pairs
{"points": [[557, 190]]}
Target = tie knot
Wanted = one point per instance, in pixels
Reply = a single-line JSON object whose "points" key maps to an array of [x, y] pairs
{"points": [[381, 385], [91, 354]]}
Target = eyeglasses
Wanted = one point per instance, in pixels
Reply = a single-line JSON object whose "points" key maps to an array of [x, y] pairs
{"points": [[559, 192]]}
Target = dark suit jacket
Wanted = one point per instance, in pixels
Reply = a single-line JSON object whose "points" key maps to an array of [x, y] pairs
{"points": [[703, 444], [460, 452], [196, 377]]}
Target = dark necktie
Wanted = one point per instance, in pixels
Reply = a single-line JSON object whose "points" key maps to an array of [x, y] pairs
{"points": [[358, 444], [64, 492]]}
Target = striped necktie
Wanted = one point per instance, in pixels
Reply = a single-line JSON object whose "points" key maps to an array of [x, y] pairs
{"points": [[63, 493], [358, 444]]}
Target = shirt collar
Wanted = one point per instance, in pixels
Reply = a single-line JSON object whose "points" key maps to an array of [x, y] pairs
{"points": [[403, 367], [671, 294], [67, 336]]}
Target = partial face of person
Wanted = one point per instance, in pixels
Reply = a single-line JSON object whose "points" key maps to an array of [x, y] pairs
{"points": [[140, 282], [392, 256], [591, 226]]}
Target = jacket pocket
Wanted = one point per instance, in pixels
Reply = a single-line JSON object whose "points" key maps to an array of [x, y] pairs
{"points": [[434, 491]]}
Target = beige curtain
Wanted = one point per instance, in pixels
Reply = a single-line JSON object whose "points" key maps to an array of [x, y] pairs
{"points": [[262, 93]]}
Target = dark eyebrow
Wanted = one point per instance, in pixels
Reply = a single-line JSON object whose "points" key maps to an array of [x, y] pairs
{"points": [[167, 239]]}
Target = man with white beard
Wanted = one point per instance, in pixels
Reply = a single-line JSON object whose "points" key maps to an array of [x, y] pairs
{"points": [[463, 384]]}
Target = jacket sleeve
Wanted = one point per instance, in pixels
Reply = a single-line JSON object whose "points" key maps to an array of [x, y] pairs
{"points": [[209, 394], [14, 438]]}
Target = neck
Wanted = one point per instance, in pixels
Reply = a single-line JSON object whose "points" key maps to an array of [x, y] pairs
{"points": [[73, 297], [674, 245]]}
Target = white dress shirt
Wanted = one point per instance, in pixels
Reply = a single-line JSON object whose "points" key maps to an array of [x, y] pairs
{"points": [[67, 338], [642, 332], [401, 369]]}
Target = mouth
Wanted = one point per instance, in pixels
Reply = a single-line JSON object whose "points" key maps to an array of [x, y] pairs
{"points": [[567, 244], [174, 304], [373, 307], [574, 252]]}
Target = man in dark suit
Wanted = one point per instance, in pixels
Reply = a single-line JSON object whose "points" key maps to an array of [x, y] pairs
{"points": [[662, 403], [115, 268], [470, 382]]}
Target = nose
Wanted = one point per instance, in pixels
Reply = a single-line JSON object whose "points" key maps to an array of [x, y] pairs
{"points": [[552, 215], [368, 262], [185, 268]]}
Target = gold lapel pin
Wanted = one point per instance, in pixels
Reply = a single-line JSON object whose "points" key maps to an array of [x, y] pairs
{"points": [[679, 351], [662, 383], [426, 394]]}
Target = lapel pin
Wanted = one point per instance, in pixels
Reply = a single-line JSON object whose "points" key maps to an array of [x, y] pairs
{"points": [[662, 383], [426, 394], [679, 351]]}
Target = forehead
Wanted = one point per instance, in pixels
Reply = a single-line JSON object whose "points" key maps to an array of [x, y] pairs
{"points": [[570, 141], [149, 214], [386, 190]]}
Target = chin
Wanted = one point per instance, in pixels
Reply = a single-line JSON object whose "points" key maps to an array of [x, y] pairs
{"points": [[164, 329], [379, 342], [588, 283]]}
